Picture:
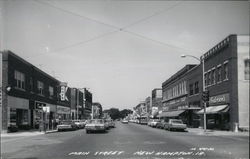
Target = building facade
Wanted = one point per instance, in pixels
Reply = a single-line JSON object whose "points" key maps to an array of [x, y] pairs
{"points": [[156, 95], [175, 96], [32, 99], [148, 105], [227, 80], [97, 110], [29, 91], [87, 103]]}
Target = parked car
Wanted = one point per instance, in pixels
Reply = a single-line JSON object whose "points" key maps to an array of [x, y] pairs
{"points": [[111, 123], [79, 123], [125, 121], [175, 124], [95, 125], [160, 124], [154, 122], [66, 125]]}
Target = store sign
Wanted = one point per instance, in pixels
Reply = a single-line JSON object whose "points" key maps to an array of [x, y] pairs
{"points": [[63, 110], [182, 107], [223, 98], [63, 92], [46, 109]]}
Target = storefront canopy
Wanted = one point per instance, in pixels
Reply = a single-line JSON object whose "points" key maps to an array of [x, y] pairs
{"points": [[214, 109], [171, 114]]}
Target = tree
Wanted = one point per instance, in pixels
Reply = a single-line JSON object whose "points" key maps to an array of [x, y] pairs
{"points": [[114, 113], [125, 113]]}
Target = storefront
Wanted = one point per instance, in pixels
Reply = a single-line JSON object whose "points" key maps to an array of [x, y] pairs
{"points": [[19, 112], [217, 112], [63, 113]]}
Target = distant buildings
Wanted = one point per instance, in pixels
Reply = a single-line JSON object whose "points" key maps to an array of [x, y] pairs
{"points": [[97, 110], [30, 96]]}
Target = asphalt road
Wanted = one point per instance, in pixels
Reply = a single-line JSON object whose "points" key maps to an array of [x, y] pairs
{"points": [[129, 141]]}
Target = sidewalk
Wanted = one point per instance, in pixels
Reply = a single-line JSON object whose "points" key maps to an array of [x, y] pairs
{"points": [[200, 131], [26, 133]]}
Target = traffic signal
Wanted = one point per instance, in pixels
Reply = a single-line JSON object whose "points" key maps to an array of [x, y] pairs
{"points": [[205, 96]]}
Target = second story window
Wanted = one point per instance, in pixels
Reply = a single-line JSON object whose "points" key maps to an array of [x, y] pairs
{"points": [[19, 80], [31, 84], [205, 79], [247, 69], [225, 71], [51, 91], [191, 89], [213, 77], [196, 87], [219, 74], [40, 87]]}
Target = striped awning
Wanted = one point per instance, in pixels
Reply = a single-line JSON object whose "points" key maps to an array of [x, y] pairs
{"points": [[214, 109]]}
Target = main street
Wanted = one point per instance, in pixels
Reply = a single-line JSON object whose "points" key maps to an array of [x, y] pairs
{"points": [[125, 141]]}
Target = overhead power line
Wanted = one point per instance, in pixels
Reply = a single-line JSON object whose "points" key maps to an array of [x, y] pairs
{"points": [[154, 14], [75, 14], [123, 29], [75, 44]]}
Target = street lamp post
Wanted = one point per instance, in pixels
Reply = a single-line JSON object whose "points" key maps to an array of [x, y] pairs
{"points": [[202, 61]]}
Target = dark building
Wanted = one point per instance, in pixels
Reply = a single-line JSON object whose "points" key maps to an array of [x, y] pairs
{"points": [[175, 96], [194, 81], [87, 99], [30, 93], [156, 101], [227, 80]]}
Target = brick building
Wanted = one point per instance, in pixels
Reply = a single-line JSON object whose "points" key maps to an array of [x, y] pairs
{"points": [[156, 100], [175, 95], [29, 91], [227, 80]]}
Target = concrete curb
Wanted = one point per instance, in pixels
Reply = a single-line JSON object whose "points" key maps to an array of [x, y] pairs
{"points": [[217, 132]]}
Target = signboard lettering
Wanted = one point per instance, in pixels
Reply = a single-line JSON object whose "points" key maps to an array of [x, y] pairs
{"points": [[63, 95]]}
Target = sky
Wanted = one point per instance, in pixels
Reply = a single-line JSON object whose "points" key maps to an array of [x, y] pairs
{"points": [[119, 50]]}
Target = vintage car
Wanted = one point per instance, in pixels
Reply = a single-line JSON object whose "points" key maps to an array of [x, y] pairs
{"points": [[154, 122], [111, 123], [175, 124], [79, 123], [124, 121], [160, 124], [66, 125], [95, 125]]}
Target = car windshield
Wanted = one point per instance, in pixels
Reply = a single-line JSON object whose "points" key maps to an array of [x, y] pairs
{"points": [[96, 121], [177, 121]]}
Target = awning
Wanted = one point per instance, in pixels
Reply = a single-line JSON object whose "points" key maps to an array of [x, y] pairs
{"points": [[214, 109], [171, 114]]}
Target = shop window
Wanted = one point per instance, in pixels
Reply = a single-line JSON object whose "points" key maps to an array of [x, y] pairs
{"points": [[209, 78], [40, 87], [219, 74], [247, 69], [226, 71], [196, 87], [205, 79], [19, 80], [13, 116], [31, 84], [191, 89]]}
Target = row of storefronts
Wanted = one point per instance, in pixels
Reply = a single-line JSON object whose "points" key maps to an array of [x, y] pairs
{"points": [[226, 78], [30, 96]]}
